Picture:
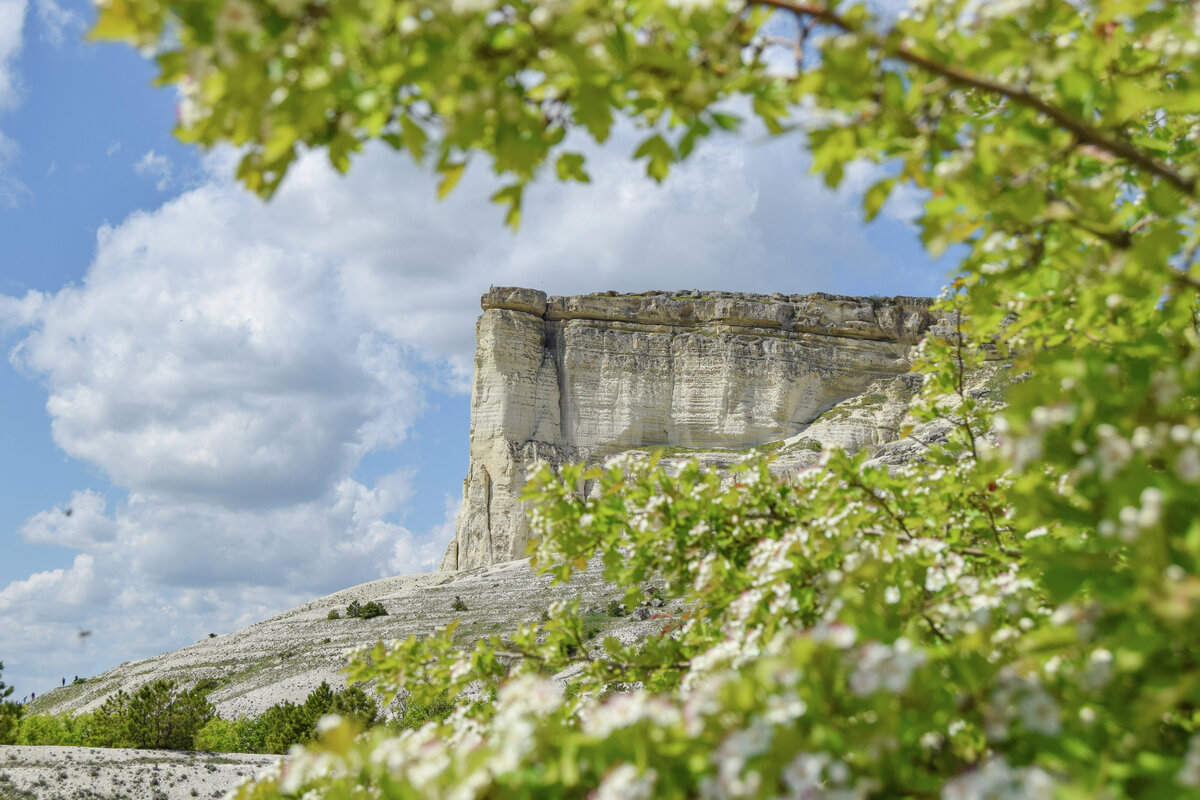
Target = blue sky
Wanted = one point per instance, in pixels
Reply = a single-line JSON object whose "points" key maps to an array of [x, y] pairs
{"points": [[246, 405]]}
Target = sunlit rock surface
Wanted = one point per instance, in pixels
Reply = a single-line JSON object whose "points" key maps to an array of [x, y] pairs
{"points": [[702, 374]]}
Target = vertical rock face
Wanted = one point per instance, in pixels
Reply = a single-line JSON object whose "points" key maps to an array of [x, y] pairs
{"points": [[585, 377]]}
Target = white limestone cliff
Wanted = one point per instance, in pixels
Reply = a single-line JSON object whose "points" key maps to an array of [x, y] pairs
{"points": [[585, 377]]}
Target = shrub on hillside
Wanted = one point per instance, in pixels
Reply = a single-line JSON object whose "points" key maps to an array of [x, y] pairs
{"points": [[365, 610], [287, 723], [161, 718], [414, 714], [49, 729], [156, 716], [333, 615], [220, 735], [10, 712]]}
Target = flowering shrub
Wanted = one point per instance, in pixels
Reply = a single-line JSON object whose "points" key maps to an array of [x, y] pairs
{"points": [[1012, 615]]}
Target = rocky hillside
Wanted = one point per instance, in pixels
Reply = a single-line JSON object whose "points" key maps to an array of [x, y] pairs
{"points": [[287, 656]]}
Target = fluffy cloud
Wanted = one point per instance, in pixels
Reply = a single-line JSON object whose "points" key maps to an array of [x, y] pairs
{"points": [[80, 524], [12, 23], [157, 167], [228, 363], [205, 360], [57, 22], [157, 575]]}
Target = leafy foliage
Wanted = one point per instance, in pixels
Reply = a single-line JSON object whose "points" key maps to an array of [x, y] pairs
{"points": [[10, 712], [413, 716], [157, 716], [368, 610], [285, 724], [445, 79], [1013, 615], [161, 718]]}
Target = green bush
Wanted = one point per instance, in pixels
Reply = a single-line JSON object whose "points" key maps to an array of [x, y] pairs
{"points": [[414, 714], [10, 712], [160, 718], [809, 444], [333, 615], [458, 604], [50, 729], [365, 611], [287, 723], [353, 703], [156, 716], [219, 736]]}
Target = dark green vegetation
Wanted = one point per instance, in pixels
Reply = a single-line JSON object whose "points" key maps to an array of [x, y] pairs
{"points": [[415, 714], [365, 610], [160, 716], [286, 723], [157, 716], [10, 711]]}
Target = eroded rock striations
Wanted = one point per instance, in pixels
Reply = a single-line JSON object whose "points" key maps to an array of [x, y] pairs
{"points": [[585, 377]]}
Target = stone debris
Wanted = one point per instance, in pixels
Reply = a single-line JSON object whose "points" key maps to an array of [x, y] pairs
{"points": [[50, 773]]}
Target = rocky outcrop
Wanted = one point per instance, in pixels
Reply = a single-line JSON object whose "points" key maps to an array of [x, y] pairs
{"points": [[585, 377]]}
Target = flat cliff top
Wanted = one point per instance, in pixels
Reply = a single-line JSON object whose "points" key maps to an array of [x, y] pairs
{"points": [[817, 311]]}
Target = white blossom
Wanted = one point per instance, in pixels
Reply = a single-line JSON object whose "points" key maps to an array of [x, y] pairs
{"points": [[623, 782], [996, 780], [881, 666], [1189, 773]]}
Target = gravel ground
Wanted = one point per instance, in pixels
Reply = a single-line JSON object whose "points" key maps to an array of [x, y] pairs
{"points": [[91, 773]]}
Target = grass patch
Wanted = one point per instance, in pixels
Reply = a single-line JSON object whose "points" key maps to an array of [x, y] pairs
{"points": [[809, 444]]}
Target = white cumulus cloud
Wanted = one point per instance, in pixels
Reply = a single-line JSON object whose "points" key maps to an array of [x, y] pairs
{"points": [[156, 167], [12, 24], [57, 22]]}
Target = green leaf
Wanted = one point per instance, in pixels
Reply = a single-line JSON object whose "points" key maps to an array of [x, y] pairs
{"points": [[451, 174], [570, 167], [726, 122], [876, 196], [414, 139], [658, 155], [511, 196]]}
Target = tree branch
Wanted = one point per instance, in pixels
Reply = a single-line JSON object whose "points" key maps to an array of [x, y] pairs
{"points": [[1083, 131]]}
